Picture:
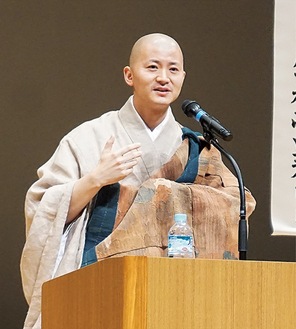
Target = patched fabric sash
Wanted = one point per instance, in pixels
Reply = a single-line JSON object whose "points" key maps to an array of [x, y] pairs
{"points": [[105, 206]]}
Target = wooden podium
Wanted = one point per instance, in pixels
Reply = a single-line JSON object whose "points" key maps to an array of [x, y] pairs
{"points": [[163, 293]]}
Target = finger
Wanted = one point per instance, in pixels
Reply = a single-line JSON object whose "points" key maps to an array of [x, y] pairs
{"points": [[109, 144], [132, 155], [131, 163], [129, 167], [129, 148]]}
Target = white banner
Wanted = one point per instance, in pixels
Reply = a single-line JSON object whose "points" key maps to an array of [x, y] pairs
{"points": [[283, 178]]}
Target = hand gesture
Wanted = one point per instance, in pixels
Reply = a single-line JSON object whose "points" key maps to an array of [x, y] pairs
{"points": [[116, 165]]}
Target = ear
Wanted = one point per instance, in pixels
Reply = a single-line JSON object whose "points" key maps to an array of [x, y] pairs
{"points": [[128, 76]]}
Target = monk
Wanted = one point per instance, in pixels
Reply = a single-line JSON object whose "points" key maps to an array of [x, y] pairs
{"points": [[112, 186]]}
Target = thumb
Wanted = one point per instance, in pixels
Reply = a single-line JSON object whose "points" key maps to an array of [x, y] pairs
{"points": [[109, 144]]}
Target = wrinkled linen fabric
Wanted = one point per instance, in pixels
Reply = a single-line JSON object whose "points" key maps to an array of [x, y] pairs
{"points": [[212, 204], [148, 199], [47, 200]]}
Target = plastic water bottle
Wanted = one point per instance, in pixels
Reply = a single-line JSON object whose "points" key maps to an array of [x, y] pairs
{"points": [[180, 238]]}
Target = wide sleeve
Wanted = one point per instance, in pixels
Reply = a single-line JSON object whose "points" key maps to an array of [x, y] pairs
{"points": [[46, 208]]}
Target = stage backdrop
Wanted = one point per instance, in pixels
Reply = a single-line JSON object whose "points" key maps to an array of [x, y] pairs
{"points": [[283, 188], [61, 64]]}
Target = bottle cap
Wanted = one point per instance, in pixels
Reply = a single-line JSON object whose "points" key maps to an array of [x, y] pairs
{"points": [[180, 218]]}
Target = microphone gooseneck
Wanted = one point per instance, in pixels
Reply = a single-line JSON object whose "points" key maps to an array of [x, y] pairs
{"points": [[211, 127]]}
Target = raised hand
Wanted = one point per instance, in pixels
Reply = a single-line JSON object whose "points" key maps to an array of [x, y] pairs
{"points": [[116, 165], [112, 167]]}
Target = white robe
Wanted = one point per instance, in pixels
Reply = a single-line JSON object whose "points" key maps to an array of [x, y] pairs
{"points": [[47, 201]]}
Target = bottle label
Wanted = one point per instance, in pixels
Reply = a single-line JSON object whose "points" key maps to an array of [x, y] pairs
{"points": [[180, 246]]}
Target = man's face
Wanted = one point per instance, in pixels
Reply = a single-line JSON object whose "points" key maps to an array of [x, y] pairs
{"points": [[156, 75]]}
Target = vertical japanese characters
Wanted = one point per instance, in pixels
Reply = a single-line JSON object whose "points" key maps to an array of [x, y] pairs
{"points": [[294, 123]]}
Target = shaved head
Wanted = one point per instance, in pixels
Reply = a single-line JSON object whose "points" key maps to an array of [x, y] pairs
{"points": [[156, 74], [154, 39]]}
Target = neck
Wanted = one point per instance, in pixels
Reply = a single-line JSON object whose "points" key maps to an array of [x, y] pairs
{"points": [[152, 121], [151, 117]]}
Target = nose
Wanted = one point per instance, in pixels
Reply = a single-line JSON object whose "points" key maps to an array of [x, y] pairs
{"points": [[163, 77]]}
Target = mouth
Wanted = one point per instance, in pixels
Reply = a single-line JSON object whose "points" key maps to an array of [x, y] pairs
{"points": [[162, 90]]}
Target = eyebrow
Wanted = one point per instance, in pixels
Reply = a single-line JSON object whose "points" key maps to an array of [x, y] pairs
{"points": [[158, 62]]}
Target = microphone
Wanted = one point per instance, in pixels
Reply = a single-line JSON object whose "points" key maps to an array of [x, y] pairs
{"points": [[192, 109]]}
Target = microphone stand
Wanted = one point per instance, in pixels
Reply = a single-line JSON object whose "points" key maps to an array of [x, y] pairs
{"points": [[242, 227]]}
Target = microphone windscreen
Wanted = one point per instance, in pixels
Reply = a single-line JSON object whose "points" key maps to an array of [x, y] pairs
{"points": [[187, 109]]}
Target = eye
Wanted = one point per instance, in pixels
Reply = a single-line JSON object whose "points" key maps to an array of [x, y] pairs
{"points": [[152, 67], [174, 69]]}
